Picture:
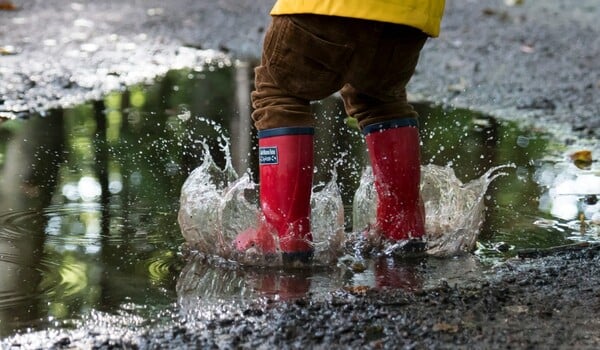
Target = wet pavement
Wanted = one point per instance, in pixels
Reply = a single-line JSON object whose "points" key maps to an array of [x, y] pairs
{"points": [[535, 63]]}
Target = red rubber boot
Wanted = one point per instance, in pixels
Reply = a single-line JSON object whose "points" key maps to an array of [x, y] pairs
{"points": [[393, 147], [285, 171]]}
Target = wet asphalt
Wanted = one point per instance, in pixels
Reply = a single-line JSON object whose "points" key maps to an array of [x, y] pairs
{"points": [[536, 63]]}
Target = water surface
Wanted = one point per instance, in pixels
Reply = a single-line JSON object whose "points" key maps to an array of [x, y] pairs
{"points": [[89, 199]]}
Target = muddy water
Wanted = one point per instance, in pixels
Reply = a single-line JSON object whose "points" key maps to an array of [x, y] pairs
{"points": [[89, 199]]}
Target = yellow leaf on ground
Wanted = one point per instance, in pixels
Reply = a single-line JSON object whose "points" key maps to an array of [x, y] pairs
{"points": [[582, 159]]}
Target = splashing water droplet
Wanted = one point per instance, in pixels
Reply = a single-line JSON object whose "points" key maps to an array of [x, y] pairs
{"points": [[454, 211], [215, 206]]}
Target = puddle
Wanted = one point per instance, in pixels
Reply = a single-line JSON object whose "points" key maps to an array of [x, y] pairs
{"points": [[89, 199]]}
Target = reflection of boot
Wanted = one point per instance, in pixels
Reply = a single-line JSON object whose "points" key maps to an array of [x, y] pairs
{"points": [[282, 284], [200, 283], [394, 152], [388, 274], [285, 171]]}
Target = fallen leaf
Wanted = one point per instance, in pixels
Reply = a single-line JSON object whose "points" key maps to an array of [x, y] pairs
{"points": [[7, 6], [582, 159]]}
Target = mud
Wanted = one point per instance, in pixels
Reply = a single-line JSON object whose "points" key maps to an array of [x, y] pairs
{"points": [[536, 63], [550, 302], [547, 304]]}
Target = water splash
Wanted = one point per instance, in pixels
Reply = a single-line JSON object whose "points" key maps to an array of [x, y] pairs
{"points": [[216, 205], [327, 221], [206, 195], [454, 211]]}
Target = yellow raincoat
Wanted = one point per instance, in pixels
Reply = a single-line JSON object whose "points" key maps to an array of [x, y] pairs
{"points": [[425, 15]]}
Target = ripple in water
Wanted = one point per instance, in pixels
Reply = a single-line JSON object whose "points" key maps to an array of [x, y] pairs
{"points": [[216, 204], [15, 224], [13, 267], [18, 265], [53, 253]]}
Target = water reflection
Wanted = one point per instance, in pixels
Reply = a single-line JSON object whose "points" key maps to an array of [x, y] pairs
{"points": [[29, 173], [89, 199], [201, 286], [200, 282]]}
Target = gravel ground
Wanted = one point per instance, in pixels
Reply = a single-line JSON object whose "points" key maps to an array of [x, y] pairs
{"points": [[549, 302], [537, 63]]}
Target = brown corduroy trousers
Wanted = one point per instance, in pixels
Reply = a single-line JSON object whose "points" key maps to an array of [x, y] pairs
{"points": [[309, 57]]}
